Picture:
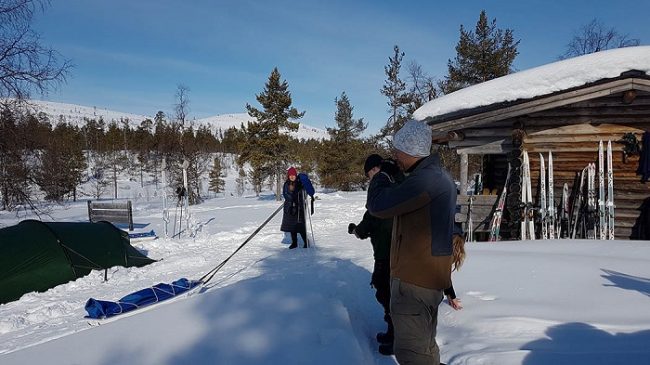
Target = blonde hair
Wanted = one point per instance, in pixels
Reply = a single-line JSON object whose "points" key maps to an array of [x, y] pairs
{"points": [[458, 255]]}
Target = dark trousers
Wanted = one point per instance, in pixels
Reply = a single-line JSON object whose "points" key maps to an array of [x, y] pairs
{"points": [[381, 282], [303, 234]]}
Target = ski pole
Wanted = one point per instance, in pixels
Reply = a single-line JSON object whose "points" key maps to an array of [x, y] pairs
{"points": [[207, 277], [175, 215]]}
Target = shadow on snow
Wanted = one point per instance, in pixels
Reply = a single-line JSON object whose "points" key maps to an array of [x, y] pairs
{"points": [[581, 343], [306, 308], [628, 282]]}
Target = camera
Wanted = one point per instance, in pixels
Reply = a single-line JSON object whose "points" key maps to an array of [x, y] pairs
{"points": [[351, 228]]}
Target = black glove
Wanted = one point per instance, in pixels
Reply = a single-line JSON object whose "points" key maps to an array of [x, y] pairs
{"points": [[390, 167], [351, 228], [293, 210]]}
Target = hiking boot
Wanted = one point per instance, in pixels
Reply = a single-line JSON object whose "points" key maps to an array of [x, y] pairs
{"points": [[386, 349], [293, 245], [385, 337]]}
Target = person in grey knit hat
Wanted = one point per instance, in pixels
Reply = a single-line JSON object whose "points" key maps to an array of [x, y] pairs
{"points": [[423, 208], [414, 139]]}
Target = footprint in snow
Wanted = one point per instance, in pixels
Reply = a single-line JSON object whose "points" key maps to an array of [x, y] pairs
{"points": [[481, 295]]}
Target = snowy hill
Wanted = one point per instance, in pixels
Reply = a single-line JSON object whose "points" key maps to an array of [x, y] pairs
{"points": [[225, 121], [76, 114]]}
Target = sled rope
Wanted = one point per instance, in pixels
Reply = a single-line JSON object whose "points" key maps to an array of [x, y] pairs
{"points": [[207, 277]]}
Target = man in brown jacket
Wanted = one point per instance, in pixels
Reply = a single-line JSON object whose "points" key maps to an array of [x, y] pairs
{"points": [[423, 207]]}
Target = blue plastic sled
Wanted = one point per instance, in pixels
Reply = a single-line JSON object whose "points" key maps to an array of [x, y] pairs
{"points": [[143, 235], [99, 309]]}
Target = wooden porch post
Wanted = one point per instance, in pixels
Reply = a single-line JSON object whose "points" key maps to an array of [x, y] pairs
{"points": [[463, 173]]}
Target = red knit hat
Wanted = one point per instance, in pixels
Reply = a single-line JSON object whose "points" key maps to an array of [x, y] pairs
{"points": [[292, 172]]}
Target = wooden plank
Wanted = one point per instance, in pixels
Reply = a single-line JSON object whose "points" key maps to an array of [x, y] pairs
{"points": [[109, 205], [470, 142], [110, 213], [494, 148], [575, 120], [642, 100], [498, 133], [571, 138], [627, 110], [585, 128], [463, 199], [112, 219]]}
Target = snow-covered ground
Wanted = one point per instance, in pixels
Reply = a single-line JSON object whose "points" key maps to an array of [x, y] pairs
{"points": [[541, 302]]}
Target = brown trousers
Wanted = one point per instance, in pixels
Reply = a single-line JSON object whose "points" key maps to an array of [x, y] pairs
{"points": [[414, 311]]}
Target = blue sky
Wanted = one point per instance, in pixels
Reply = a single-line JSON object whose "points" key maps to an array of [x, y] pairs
{"points": [[130, 55]]}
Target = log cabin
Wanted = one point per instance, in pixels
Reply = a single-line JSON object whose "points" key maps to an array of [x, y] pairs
{"points": [[567, 108]]}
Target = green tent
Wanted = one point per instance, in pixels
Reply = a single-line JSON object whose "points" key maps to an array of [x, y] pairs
{"points": [[36, 256]]}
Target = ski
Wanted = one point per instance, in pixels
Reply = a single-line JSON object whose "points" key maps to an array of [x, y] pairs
{"points": [[564, 213], [601, 192], [307, 218], [551, 199], [610, 192], [469, 236], [495, 224], [578, 203], [572, 201], [542, 197], [591, 209], [478, 184], [527, 222]]}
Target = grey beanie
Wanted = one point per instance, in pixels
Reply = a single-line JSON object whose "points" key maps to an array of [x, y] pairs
{"points": [[414, 139]]}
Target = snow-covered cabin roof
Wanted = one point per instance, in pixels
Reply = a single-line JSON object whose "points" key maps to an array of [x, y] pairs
{"points": [[538, 81]]}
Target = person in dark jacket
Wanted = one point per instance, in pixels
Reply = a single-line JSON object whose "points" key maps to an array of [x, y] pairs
{"points": [[293, 214], [379, 231], [423, 211]]}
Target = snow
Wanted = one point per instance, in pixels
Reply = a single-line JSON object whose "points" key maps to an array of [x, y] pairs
{"points": [[534, 302], [541, 80], [76, 114], [224, 121]]}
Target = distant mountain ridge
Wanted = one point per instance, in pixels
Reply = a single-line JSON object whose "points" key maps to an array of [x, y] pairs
{"points": [[76, 114], [225, 121]]}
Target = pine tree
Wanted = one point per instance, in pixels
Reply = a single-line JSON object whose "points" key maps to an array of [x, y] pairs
{"points": [[240, 182], [115, 159], [217, 182], [256, 177], [15, 172], [62, 163], [145, 147], [395, 90], [340, 165], [484, 54], [266, 148]]}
